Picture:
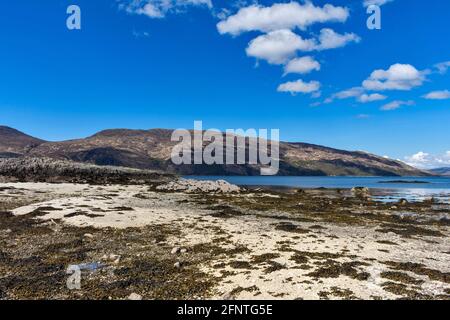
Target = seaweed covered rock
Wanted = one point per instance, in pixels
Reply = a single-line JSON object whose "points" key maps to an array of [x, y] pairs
{"points": [[361, 192]]}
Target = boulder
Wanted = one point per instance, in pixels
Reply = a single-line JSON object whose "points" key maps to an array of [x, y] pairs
{"points": [[197, 186], [361, 192], [134, 296]]}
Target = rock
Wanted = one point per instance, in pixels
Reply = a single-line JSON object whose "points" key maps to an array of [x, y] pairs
{"points": [[196, 186], [175, 250], [403, 202], [8, 231], [361, 192], [183, 250], [134, 296], [43, 169], [114, 258], [177, 264], [88, 235], [228, 296]]}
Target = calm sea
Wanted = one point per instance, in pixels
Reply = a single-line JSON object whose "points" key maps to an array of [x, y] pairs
{"points": [[389, 188]]}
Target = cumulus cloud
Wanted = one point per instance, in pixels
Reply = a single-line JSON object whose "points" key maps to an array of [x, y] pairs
{"points": [[277, 47], [300, 86], [159, 8], [438, 95], [301, 65], [329, 39], [396, 104], [365, 98], [279, 44], [358, 93], [397, 77], [367, 3], [425, 160], [442, 67], [281, 16], [349, 93]]}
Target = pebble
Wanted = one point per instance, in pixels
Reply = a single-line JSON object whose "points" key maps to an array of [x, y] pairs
{"points": [[134, 296], [227, 296], [88, 235], [177, 265], [184, 250], [114, 258], [175, 250]]}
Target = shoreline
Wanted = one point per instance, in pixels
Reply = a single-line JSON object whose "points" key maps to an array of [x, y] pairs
{"points": [[308, 244]]}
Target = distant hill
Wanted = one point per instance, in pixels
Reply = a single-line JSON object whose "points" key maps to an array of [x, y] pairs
{"points": [[441, 171], [151, 149], [14, 143]]}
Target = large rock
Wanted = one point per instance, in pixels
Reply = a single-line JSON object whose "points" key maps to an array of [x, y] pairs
{"points": [[197, 186], [28, 169], [361, 192]]}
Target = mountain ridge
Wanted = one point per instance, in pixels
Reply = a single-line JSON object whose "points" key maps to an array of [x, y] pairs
{"points": [[444, 171], [151, 149]]}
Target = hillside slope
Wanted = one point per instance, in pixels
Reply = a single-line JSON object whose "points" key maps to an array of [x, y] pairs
{"points": [[441, 171], [14, 143], [151, 149]]}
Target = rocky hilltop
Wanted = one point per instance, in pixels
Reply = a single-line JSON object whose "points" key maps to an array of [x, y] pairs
{"points": [[151, 149], [27, 169]]}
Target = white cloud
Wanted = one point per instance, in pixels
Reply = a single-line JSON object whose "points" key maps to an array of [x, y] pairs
{"points": [[358, 93], [425, 160], [299, 86], [151, 11], [281, 16], [438, 95], [277, 47], [396, 104], [328, 39], [367, 3], [349, 93], [159, 8], [301, 65], [365, 98], [442, 67], [397, 77]]}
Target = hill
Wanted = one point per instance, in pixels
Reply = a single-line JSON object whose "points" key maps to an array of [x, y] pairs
{"points": [[441, 171], [151, 149], [14, 143]]}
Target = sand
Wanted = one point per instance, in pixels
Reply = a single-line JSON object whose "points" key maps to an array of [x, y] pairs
{"points": [[276, 255]]}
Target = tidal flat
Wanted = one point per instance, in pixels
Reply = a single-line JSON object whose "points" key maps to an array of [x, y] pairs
{"points": [[253, 244]]}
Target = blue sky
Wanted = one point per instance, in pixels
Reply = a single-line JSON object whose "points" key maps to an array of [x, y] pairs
{"points": [[148, 64]]}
